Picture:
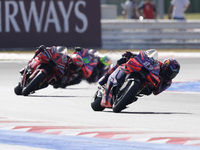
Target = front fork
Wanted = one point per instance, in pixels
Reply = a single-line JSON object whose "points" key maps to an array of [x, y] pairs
{"points": [[28, 75], [25, 74]]}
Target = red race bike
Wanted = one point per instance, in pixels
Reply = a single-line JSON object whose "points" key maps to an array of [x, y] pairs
{"points": [[44, 69], [127, 82]]}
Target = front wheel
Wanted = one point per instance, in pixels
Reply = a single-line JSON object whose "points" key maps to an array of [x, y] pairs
{"points": [[18, 89], [126, 97], [96, 101], [34, 83]]}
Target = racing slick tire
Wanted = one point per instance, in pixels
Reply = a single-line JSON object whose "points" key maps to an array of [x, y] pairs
{"points": [[126, 97], [96, 102], [34, 83], [18, 89]]}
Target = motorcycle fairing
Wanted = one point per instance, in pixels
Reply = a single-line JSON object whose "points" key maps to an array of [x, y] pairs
{"points": [[140, 63], [60, 59], [42, 62], [143, 62]]}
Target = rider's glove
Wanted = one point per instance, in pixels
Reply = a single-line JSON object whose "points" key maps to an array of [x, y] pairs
{"points": [[78, 49], [122, 61], [128, 55], [42, 48]]}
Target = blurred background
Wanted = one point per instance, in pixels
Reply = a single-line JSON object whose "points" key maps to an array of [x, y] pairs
{"points": [[193, 11], [161, 31], [100, 24]]}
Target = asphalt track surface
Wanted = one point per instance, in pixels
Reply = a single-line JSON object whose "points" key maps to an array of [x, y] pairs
{"points": [[62, 119]]}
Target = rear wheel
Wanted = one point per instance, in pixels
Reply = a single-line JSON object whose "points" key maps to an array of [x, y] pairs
{"points": [[34, 83], [96, 102], [126, 97]]}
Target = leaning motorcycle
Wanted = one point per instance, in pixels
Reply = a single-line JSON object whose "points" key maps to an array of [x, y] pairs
{"points": [[128, 81], [44, 69], [94, 66], [90, 61]]}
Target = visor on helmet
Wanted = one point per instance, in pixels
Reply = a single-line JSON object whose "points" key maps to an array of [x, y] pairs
{"points": [[171, 73]]}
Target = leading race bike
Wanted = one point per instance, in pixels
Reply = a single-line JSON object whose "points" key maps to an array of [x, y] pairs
{"points": [[128, 81], [44, 69]]}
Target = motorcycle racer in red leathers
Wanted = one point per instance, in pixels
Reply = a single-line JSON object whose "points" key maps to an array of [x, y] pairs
{"points": [[169, 68], [49, 66], [72, 69], [73, 72]]}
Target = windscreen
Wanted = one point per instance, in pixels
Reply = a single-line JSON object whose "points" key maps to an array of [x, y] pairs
{"points": [[152, 53]]}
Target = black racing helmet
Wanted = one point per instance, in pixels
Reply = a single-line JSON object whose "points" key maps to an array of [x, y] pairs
{"points": [[170, 68]]}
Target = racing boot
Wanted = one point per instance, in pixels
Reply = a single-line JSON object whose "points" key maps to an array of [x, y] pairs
{"points": [[107, 97], [104, 79], [22, 71]]}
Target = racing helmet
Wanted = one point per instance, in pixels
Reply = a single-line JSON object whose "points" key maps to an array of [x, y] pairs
{"points": [[105, 60], [78, 49], [62, 50], [170, 68], [93, 53], [76, 62]]}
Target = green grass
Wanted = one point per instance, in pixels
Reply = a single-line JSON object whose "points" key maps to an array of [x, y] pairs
{"points": [[189, 16], [195, 16]]}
